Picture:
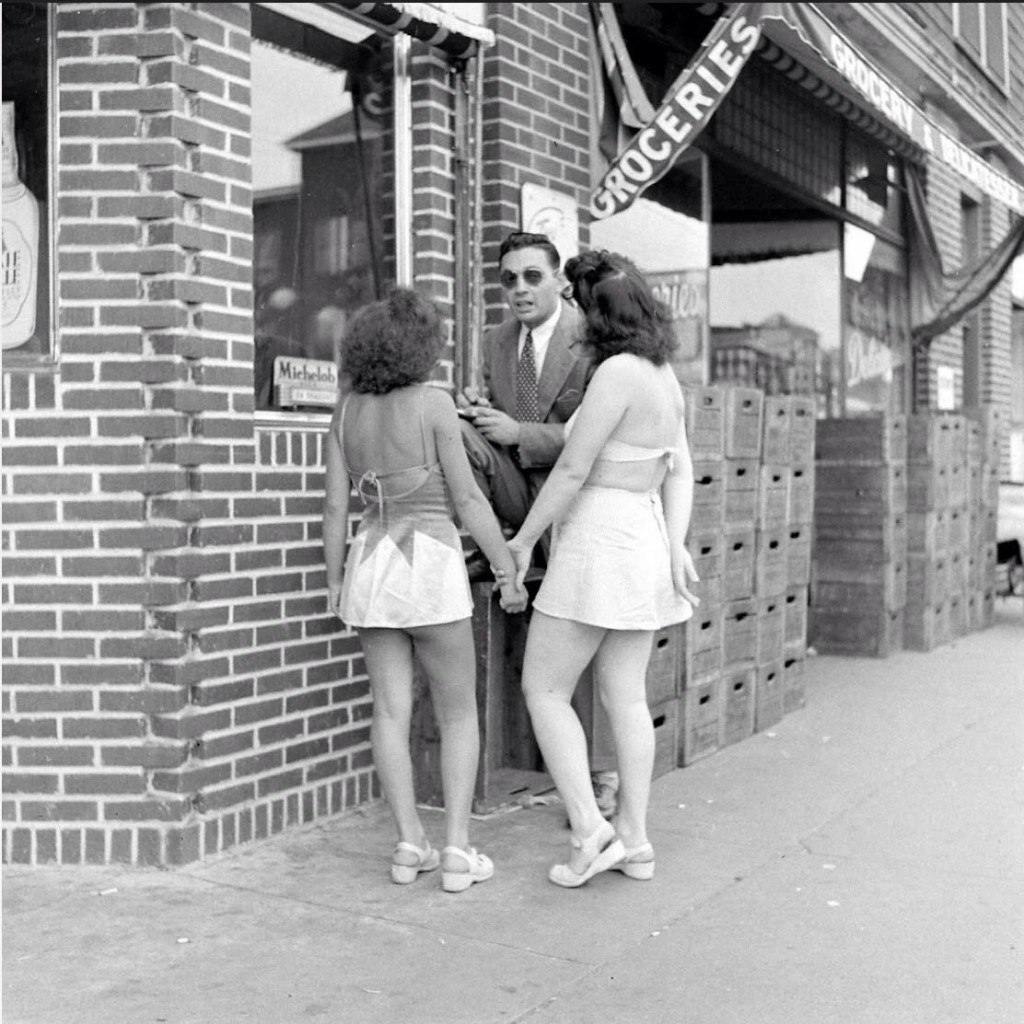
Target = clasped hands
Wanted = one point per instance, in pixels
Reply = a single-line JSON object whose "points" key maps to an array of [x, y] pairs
{"points": [[514, 597]]}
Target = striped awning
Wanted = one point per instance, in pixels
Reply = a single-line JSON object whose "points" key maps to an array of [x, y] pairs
{"points": [[456, 29]]}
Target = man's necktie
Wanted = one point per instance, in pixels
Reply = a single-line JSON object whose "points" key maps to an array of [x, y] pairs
{"points": [[527, 409]]}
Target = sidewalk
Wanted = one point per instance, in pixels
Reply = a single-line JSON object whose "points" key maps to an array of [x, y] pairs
{"points": [[860, 863]]}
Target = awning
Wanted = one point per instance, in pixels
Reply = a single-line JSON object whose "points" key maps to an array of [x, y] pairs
{"points": [[804, 44], [457, 29]]}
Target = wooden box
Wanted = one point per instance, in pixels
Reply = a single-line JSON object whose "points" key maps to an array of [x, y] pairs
{"points": [[768, 695], [802, 421], [698, 723], [736, 721], [663, 670], [738, 562], [957, 529], [801, 493], [741, 480], [794, 615], [744, 408], [798, 555], [707, 551], [928, 438], [927, 532], [772, 497], [739, 631], [708, 497], [770, 627], [926, 625], [860, 488], [926, 579], [927, 486], [794, 684], [775, 432], [665, 717], [701, 646], [873, 631], [861, 439], [887, 590], [705, 421], [956, 474], [874, 537], [771, 564]]}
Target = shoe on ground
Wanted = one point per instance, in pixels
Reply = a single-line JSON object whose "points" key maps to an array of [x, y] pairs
{"points": [[638, 862], [602, 849], [408, 860], [462, 868]]}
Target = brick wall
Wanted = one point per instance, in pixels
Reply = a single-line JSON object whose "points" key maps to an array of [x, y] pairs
{"points": [[172, 686], [536, 119]]}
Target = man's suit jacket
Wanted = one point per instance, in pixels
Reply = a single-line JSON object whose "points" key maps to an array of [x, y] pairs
{"points": [[563, 379]]}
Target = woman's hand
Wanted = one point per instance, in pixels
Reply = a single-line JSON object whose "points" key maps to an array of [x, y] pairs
{"points": [[683, 574], [522, 555], [334, 602], [513, 599]]}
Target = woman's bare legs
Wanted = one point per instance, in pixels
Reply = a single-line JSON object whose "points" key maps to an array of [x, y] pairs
{"points": [[557, 652], [447, 655], [389, 664], [620, 669]]}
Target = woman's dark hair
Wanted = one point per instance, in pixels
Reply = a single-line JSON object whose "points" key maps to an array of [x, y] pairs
{"points": [[622, 313], [392, 343]]}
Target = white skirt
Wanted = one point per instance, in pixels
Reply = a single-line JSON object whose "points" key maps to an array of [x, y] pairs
{"points": [[610, 564]]}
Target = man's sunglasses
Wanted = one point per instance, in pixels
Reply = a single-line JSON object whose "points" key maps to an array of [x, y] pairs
{"points": [[531, 277]]}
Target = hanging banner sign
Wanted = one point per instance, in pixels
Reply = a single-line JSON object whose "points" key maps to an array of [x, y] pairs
{"points": [[694, 96], [806, 34]]}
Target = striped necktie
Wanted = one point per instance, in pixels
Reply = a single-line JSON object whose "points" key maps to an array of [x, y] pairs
{"points": [[527, 407]]}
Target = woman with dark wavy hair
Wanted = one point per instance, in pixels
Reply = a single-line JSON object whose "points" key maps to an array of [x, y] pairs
{"points": [[620, 498], [404, 585]]}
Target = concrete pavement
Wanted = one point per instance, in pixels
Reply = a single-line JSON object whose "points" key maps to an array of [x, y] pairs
{"points": [[859, 863]]}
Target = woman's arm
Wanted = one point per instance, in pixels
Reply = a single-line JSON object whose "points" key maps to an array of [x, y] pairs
{"points": [[677, 498], [335, 512], [603, 406], [473, 509]]}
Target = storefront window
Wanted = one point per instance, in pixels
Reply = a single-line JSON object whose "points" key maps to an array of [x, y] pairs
{"points": [[323, 188], [27, 315]]}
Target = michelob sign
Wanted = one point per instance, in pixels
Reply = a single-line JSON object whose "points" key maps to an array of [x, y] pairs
{"points": [[691, 101], [305, 382]]}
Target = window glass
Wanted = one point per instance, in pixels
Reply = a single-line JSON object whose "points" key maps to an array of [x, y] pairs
{"points": [[26, 182], [323, 188]]}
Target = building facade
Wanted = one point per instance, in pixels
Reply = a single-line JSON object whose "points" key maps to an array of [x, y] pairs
{"points": [[214, 188]]}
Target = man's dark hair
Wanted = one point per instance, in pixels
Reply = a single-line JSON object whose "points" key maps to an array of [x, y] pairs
{"points": [[527, 240], [622, 313], [392, 343]]}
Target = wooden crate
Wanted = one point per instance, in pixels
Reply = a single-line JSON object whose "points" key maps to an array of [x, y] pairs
{"points": [[707, 551], [708, 497], [771, 564], [744, 408], [975, 479], [741, 480], [926, 625], [957, 529], [794, 683], [698, 722], [739, 631], [860, 488], [800, 508], [772, 497], [770, 628], [926, 578], [927, 486], [956, 473], [873, 631], [887, 590], [876, 536], [738, 563], [736, 719], [927, 532], [928, 438], [861, 439], [958, 567], [705, 421], [665, 718], [768, 695], [775, 430], [798, 555], [663, 669], [991, 422], [957, 438], [802, 421], [794, 615], [958, 623], [990, 485], [700, 646]]}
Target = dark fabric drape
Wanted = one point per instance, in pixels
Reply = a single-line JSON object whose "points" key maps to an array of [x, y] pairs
{"points": [[940, 300]]}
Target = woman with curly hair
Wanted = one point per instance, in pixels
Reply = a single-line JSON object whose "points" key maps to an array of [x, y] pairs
{"points": [[404, 585], [619, 497]]}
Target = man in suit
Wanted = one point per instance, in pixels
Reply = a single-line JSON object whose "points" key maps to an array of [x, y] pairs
{"points": [[534, 378], [514, 430]]}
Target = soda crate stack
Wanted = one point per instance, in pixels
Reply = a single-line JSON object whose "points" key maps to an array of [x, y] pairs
{"points": [[858, 586], [984, 428]]}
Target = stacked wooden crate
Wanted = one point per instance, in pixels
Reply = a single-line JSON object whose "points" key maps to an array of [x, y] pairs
{"points": [[700, 639], [859, 581], [984, 430]]}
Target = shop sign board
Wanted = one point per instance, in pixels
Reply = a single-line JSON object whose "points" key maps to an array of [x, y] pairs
{"points": [[685, 292], [305, 382]]}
